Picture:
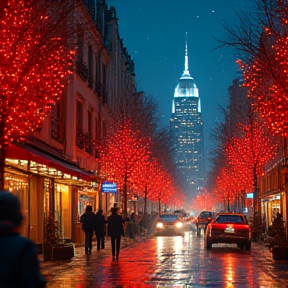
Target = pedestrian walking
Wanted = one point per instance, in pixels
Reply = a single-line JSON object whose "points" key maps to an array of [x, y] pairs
{"points": [[100, 229], [19, 265], [88, 223], [115, 230]]}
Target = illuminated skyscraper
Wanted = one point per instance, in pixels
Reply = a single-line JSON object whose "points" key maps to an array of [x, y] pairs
{"points": [[187, 133]]}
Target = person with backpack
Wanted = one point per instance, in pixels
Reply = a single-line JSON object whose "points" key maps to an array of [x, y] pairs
{"points": [[88, 223]]}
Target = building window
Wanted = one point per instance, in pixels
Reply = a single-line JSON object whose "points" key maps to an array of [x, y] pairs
{"points": [[89, 143], [79, 125], [57, 121], [90, 66]]}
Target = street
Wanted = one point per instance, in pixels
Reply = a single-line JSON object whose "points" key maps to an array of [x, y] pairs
{"points": [[169, 262]]}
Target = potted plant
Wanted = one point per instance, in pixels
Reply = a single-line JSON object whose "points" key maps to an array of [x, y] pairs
{"points": [[51, 237], [54, 247], [278, 240]]}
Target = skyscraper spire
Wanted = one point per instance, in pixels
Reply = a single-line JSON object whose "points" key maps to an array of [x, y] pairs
{"points": [[187, 133], [186, 69]]}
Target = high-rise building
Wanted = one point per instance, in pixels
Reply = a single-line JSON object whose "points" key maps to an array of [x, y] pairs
{"points": [[187, 133]]}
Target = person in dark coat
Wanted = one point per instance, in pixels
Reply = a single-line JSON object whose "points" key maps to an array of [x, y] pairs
{"points": [[88, 223], [100, 229], [115, 230], [19, 265]]}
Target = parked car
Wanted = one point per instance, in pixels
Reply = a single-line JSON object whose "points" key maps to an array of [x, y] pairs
{"points": [[169, 224], [203, 219], [229, 227]]}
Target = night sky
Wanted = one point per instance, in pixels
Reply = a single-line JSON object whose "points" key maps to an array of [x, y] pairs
{"points": [[154, 34]]}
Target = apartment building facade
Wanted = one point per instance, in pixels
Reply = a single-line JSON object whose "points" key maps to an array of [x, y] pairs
{"points": [[55, 171]]}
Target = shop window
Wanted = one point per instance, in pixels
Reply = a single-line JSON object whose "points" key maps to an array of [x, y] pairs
{"points": [[18, 185], [83, 201]]}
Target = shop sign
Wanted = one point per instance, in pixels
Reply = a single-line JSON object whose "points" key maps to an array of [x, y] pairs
{"points": [[108, 186], [250, 195]]}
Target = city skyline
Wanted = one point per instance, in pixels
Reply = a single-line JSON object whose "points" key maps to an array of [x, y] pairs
{"points": [[154, 33]]}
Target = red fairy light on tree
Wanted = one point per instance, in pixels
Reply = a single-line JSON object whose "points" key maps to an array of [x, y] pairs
{"points": [[249, 151], [231, 184], [224, 185], [123, 156], [35, 61], [267, 74]]}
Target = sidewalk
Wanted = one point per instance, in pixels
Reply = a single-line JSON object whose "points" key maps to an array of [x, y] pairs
{"points": [[97, 255]]}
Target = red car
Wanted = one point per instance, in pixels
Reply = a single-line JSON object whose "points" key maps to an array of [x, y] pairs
{"points": [[229, 228], [203, 219]]}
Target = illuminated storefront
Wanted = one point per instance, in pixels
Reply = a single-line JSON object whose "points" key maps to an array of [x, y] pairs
{"points": [[270, 206], [46, 188], [18, 185]]}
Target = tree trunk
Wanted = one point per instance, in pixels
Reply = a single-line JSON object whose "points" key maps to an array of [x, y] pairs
{"points": [[256, 196], [125, 194], [3, 146]]}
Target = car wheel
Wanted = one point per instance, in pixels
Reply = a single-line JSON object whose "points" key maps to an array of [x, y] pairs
{"points": [[248, 246], [208, 245], [241, 246]]}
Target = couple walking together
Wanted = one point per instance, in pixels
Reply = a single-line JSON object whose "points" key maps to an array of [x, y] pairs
{"points": [[93, 222], [115, 230]]}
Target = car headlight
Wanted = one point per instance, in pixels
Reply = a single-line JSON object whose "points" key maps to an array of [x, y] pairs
{"points": [[159, 225], [179, 224]]}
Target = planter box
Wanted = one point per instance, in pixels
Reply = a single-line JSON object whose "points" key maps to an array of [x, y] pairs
{"points": [[63, 252], [47, 252], [280, 253]]}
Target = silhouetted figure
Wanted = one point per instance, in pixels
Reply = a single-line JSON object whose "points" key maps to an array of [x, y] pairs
{"points": [[88, 223], [19, 266], [115, 230], [100, 229]]}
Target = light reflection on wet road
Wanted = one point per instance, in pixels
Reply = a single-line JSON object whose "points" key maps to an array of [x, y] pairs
{"points": [[172, 262]]}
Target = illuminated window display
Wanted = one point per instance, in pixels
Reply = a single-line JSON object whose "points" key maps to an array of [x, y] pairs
{"points": [[18, 185]]}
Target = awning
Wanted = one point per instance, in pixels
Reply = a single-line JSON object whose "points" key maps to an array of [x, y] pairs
{"points": [[31, 154]]}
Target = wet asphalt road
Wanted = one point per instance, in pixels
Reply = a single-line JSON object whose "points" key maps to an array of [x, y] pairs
{"points": [[169, 262]]}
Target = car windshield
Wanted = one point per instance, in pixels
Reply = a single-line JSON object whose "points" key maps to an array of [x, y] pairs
{"points": [[236, 219], [168, 218], [205, 214]]}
